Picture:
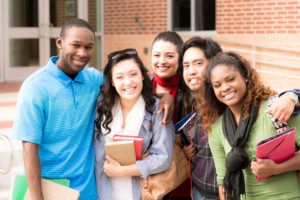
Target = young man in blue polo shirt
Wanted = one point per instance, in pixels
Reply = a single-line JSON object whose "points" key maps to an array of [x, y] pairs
{"points": [[55, 114]]}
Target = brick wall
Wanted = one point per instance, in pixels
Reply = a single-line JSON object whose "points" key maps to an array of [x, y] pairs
{"points": [[120, 16], [60, 14], [274, 23], [92, 7], [258, 16]]}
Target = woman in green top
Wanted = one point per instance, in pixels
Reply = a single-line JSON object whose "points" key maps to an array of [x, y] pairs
{"points": [[233, 103]]}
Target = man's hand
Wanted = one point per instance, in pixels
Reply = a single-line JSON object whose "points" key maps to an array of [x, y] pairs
{"points": [[190, 150], [282, 108], [166, 103]]}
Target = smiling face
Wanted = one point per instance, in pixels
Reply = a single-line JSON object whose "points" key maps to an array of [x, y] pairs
{"points": [[128, 80], [76, 49], [194, 64], [164, 59], [229, 85]]}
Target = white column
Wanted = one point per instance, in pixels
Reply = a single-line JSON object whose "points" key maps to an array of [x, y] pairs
{"points": [[82, 9], [2, 42]]}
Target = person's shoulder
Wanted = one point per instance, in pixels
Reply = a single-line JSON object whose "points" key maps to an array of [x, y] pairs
{"points": [[153, 114], [155, 105], [94, 74], [217, 124], [93, 71], [36, 80]]}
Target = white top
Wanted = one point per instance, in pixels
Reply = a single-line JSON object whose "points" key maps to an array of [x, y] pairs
{"points": [[122, 186]]}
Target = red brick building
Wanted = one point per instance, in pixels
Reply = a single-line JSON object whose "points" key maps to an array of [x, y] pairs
{"points": [[238, 26], [256, 28]]}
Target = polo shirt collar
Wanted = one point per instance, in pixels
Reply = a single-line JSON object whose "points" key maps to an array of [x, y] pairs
{"points": [[55, 71]]}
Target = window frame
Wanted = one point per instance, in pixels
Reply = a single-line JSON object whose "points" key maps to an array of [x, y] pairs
{"points": [[192, 31]]}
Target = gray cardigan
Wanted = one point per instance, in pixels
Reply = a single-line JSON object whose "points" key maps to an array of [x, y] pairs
{"points": [[160, 143]]}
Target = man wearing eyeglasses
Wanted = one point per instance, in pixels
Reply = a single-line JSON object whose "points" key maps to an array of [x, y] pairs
{"points": [[56, 113]]}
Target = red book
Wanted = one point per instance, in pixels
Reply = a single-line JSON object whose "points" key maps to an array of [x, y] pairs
{"points": [[138, 143], [279, 147]]}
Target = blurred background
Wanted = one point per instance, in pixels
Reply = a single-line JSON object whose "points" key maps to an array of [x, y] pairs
{"points": [[266, 32]]}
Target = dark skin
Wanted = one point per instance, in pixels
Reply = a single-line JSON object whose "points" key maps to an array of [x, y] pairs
{"points": [[33, 169]]}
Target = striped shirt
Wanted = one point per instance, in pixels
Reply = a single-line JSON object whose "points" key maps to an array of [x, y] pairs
{"points": [[57, 113]]}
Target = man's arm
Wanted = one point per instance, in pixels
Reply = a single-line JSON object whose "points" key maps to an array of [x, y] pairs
{"points": [[283, 107], [33, 169], [166, 103]]}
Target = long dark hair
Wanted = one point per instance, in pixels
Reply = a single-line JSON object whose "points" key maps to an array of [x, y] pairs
{"points": [[212, 108], [174, 38], [109, 93]]}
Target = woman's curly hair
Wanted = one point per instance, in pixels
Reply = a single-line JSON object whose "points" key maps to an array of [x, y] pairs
{"points": [[109, 94], [211, 107]]}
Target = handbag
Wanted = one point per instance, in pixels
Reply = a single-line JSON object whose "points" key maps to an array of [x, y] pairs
{"points": [[279, 126], [158, 185]]}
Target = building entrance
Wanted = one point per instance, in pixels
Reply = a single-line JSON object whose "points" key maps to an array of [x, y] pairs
{"points": [[29, 31]]}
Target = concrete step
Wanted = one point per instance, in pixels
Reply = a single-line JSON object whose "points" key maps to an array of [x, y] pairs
{"points": [[5, 189], [9, 97], [4, 151], [4, 193], [17, 168], [6, 179]]}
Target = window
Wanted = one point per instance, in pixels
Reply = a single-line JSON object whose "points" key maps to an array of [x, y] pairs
{"points": [[193, 15]]}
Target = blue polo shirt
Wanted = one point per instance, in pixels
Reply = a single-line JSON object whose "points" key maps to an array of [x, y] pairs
{"points": [[58, 113]]}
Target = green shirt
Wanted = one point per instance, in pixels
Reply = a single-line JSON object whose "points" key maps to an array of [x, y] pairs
{"points": [[284, 186]]}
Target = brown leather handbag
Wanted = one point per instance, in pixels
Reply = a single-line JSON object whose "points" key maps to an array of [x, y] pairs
{"points": [[158, 185]]}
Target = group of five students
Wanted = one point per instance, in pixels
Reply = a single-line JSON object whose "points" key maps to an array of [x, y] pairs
{"points": [[61, 143]]}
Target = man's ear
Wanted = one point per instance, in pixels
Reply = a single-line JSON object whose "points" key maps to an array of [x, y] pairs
{"points": [[59, 42]]}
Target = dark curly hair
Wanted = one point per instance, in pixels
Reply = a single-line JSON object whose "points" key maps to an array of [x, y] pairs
{"points": [[211, 107], [109, 93], [174, 38]]}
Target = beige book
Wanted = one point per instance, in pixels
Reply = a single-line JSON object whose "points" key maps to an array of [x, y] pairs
{"points": [[122, 151], [55, 191]]}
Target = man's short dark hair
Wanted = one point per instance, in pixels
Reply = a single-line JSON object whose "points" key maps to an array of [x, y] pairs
{"points": [[77, 22]]}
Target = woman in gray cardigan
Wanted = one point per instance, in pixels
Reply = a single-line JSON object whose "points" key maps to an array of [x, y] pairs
{"points": [[128, 107]]}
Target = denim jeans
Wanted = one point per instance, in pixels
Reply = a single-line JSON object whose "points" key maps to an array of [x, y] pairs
{"points": [[198, 196]]}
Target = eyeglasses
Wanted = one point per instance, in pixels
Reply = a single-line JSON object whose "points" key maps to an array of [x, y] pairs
{"points": [[117, 54]]}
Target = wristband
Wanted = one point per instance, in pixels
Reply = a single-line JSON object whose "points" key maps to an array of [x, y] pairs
{"points": [[294, 97]]}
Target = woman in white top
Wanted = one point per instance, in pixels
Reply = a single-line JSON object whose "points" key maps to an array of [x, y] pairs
{"points": [[128, 107]]}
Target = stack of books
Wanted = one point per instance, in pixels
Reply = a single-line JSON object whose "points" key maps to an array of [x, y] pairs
{"points": [[125, 149], [53, 189]]}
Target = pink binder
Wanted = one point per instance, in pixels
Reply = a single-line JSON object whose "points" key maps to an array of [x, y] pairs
{"points": [[279, 147]]}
